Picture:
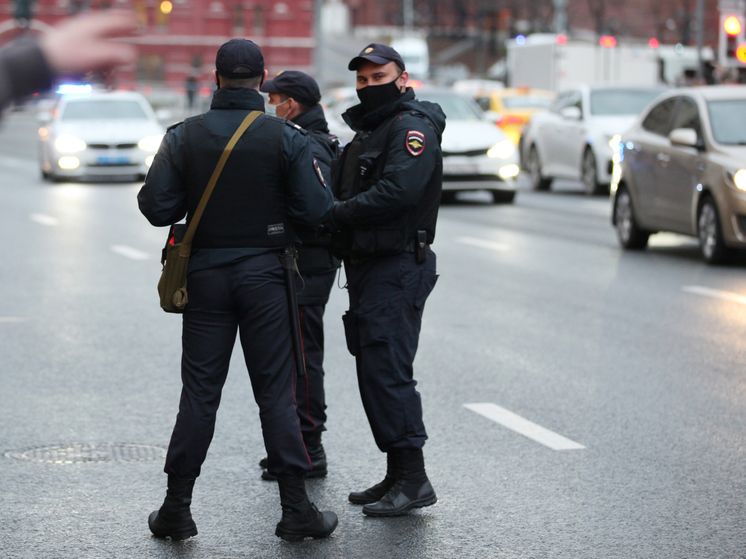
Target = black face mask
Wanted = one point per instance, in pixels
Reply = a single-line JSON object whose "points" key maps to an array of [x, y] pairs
{"points": [[374, 96]]}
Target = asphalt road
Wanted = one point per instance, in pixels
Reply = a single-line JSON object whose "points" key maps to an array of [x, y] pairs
{"points": [[630, 367]]}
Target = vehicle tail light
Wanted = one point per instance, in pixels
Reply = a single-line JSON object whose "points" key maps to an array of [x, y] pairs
{"points": [[508, 120]]}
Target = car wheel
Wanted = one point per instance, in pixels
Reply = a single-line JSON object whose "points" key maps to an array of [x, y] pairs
{"points": [[630, 235], [503, 196], [538, 182], [589, 175], [447, 197], [710, 233]]}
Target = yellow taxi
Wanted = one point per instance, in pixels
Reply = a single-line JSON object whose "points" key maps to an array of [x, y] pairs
{"points": [[514, 107]]}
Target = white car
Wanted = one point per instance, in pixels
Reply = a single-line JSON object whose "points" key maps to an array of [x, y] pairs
{"points": [[99, 135], [476, 153], [572, 138]]}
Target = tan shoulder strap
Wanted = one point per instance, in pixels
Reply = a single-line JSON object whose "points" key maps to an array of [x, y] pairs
{"points": [[186, 243]]}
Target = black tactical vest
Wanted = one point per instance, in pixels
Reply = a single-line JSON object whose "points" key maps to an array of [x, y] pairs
{"points": [[248, 206], [398, 234]]}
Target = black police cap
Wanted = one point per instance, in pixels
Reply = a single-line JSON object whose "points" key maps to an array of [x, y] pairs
{"points": [[298, 85], [378, 54], [239, 54]]}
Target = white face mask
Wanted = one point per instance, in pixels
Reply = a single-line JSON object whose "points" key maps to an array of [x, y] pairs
{"points": [[271, 110]]}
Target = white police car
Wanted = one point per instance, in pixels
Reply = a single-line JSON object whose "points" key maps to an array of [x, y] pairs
{"points": [[98, 135]]}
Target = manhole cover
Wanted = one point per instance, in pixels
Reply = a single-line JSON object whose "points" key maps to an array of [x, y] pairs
{"points": [[77, 453]]}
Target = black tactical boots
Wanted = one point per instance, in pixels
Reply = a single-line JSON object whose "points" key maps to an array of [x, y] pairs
{"points": [[174, 519], [315, 452], [410, 489], [300, 517], [375, 493]]}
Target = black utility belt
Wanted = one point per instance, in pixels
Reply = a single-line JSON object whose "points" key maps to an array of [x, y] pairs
{"points": [[418, 246]]}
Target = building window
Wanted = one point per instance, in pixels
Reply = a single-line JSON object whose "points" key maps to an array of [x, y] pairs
{"points": [[238, 19], [259, 19], [150, 68]]}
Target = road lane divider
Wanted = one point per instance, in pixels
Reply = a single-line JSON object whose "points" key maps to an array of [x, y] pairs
{"points": [[714, 293], [44, 219], [483, 243], [130, 252], [523, 426]]}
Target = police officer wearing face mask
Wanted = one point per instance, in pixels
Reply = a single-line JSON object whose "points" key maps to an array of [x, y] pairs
{"points": [[295, 96], [236, 282], [389, 187]]}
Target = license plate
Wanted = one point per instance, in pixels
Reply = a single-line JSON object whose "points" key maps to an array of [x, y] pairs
{"points": [[459, 169], [113, 160]]}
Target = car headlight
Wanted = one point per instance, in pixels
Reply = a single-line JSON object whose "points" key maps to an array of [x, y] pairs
{"points": [[614, 142], [69, 144], [501, 150], [150, 143], [737, 178]]}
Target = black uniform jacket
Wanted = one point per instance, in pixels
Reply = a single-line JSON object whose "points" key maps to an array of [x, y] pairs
{"points": [[163, 198], [23, 70], [316, 263], [390, 176]]}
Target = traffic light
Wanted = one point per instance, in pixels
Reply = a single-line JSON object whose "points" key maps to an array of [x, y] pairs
{"points": [[162, 12], [732, 40]]}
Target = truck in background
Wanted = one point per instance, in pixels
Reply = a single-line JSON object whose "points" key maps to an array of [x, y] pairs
{"points": [[416, 55], [548, 61]]}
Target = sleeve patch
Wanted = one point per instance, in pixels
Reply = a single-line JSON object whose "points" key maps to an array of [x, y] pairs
{"points": [[319, 173], [415, 142]]}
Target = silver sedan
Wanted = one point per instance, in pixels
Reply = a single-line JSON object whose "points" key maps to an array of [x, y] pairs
{"points": [[682, 168]]}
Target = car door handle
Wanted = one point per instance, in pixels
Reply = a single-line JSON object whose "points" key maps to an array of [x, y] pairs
{"points": [[664, 157]]}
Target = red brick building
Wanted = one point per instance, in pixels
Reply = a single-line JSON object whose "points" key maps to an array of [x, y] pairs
{"points": [[181, 37]]}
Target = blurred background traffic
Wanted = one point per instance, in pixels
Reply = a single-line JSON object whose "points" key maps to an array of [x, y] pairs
{"points": [[535, 92]]}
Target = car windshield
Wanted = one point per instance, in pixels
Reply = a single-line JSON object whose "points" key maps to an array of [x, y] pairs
{"points": [[105, 109], [728, 121], [621, 101], [454, 106], [526, 102]]}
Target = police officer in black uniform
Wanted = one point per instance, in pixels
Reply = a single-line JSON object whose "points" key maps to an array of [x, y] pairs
{"points": [[389, 185], [295, 96], [236, 282]]}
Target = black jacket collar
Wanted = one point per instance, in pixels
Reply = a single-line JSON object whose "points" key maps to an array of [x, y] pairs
{"points": [[313, 120], [359, 120], [237, 98]]}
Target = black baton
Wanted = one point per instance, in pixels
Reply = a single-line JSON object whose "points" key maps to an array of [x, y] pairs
{"points": [[287, 259]]}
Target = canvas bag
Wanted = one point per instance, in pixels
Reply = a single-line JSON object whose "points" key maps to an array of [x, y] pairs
{"points": [[172, 287]]}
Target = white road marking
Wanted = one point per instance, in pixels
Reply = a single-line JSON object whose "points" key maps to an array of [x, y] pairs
{"points": [[44, 219], [130, 252], [482, 243], [665, 240], [13, 319], [527, 428], [714, 293]]}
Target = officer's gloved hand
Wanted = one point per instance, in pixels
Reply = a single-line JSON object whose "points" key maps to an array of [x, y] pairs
{"points": [[330, 224]]}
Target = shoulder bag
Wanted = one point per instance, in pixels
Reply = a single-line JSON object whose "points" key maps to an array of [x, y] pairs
{"points": [[172, 286]]}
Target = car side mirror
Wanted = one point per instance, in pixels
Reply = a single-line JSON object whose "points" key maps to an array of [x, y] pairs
{"points": [[684, 137], [571, 113]]}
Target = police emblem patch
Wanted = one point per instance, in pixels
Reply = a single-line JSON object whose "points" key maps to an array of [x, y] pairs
{"points": [[318, 172], [415, 142], [368, 50]]}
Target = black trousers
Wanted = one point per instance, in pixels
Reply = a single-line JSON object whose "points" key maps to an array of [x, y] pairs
{"points": [[309, 392], [250, 298], [387, 297]]}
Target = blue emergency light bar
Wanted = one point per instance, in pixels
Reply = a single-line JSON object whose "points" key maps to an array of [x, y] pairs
{"points": [[74, 89]]}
